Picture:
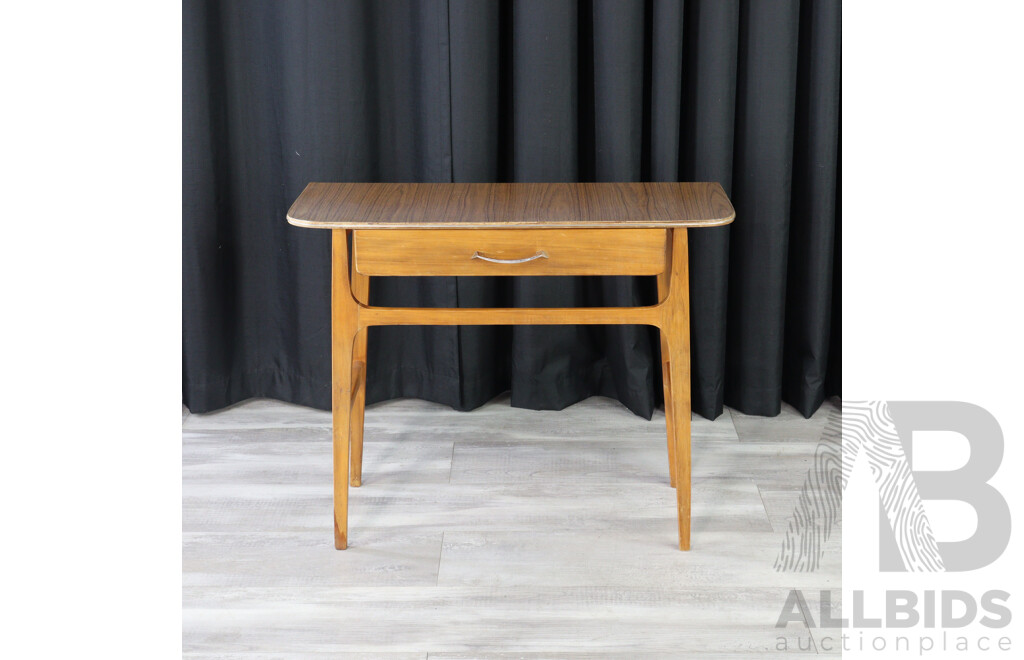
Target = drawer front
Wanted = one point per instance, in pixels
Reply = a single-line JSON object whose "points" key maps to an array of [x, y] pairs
{"points": [[510, 251]]}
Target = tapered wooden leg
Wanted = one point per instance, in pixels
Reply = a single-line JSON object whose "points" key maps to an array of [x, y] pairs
{"points": [[666, 378], [358, 408], [666, 381], [676, 334], [361, 292], [679, 366], [342, 435], [344, 323]]}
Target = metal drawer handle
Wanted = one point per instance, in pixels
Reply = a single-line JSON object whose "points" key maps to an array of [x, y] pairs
{"points": [[540, 255]]}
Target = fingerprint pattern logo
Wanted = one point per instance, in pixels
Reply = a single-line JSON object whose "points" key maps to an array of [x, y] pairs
{"points": [[868, 428], [820, 506]]}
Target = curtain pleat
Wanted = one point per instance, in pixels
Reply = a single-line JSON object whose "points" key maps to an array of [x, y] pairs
{"points": [[707, 144], [761, 192], [277, 94], [809, 281]]}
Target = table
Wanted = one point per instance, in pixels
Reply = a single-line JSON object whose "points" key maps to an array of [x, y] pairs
{"points": [[451, 229]]}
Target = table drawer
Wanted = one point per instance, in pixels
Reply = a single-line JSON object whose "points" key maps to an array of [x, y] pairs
{"points": [[510, 251]]}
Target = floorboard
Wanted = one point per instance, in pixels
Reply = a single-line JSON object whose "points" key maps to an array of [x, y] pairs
{"points": [[500, 533]]}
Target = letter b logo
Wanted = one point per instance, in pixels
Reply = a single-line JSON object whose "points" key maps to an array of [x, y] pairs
{"points": [[967, 484]]}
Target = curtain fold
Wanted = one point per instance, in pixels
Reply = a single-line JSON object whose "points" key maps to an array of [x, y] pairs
{"points": [[277, 94]]}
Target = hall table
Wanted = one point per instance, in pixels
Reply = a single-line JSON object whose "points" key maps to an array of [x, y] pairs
{"points": [[451, 229]]}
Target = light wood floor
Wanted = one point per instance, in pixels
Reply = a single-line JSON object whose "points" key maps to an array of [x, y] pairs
{"points": [[499, 533]]}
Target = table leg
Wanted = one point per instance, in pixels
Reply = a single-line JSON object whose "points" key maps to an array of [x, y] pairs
{"points": [[679, 366], [666, 382], [676, 333], [344, 324], [361, 291]]}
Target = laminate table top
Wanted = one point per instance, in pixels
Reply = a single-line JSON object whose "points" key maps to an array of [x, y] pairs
{"points": [[510, 205]]}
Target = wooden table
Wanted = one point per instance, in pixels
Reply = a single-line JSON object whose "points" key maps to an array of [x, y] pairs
{"points": [[449, 229]]}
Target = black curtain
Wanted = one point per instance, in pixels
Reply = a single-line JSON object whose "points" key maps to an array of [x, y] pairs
{"points": [[277, 94]]}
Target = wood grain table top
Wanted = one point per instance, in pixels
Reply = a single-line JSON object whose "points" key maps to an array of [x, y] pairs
{"points": [[510, 205]]}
